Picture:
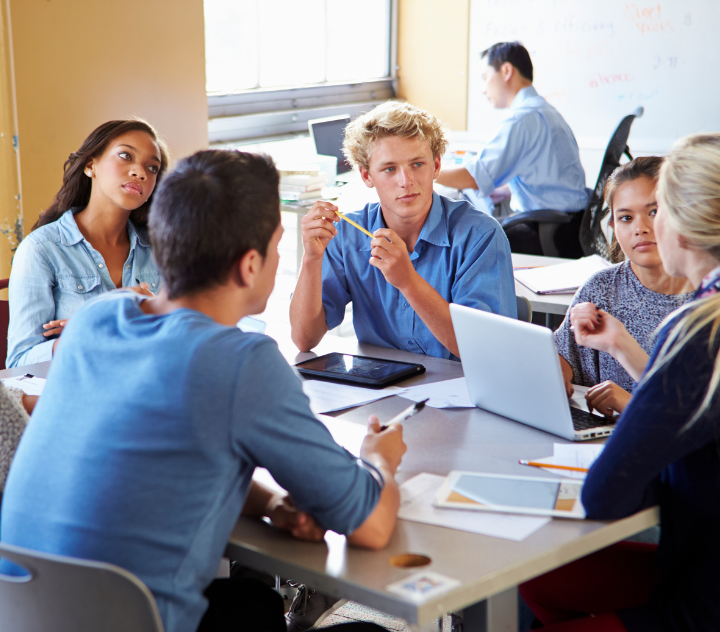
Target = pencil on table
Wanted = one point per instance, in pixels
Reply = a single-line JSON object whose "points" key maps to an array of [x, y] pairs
{"points": [[555, 467]]}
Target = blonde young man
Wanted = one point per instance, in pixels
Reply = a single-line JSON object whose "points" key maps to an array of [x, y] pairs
{"points": [[427, 251]]}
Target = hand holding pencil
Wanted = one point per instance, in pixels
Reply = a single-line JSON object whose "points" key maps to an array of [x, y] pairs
{"points": [[318, 228]]}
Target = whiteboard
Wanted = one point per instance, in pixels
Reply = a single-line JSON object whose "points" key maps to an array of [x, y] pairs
{"points": [[596, 61]]}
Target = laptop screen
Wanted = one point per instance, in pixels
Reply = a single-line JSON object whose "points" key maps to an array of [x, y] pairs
{"points": [[328, 134]]}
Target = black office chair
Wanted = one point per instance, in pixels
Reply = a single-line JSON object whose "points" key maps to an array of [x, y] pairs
{"points": [[592, 239]]}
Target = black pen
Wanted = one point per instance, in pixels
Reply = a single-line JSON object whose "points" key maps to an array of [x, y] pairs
{"points": [[405, 414]]}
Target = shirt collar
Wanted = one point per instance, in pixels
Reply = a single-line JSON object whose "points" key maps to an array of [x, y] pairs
{"points": [[710, 284], [70, 233], [434, 230], [522, 96]]}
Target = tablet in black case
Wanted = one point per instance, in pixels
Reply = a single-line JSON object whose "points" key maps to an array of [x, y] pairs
{"points": [[359, 370]]}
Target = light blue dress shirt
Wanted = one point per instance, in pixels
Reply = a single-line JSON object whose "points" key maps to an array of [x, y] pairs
{"points": [[536, 154], [55, 271], [142, 448], [461, 252]]}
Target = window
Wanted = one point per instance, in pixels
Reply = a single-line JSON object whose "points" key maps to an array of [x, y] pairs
{"points": [[305, 58]]}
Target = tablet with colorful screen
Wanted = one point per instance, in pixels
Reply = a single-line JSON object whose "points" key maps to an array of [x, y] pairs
{"points": [[512, 494]]}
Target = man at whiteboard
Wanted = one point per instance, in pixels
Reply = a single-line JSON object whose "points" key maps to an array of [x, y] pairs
{"points": [[533, 160]]}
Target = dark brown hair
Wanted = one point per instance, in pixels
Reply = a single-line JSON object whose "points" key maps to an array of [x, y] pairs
{"points": [[513, 52], [211, 209], [644, 167], [76, 186]]}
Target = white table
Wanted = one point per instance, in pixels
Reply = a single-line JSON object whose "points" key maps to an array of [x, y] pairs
{"points": [[488, 568], [547, 303]]}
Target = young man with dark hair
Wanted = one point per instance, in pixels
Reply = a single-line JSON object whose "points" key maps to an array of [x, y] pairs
{"points": [[533, 159], [157, 411]]}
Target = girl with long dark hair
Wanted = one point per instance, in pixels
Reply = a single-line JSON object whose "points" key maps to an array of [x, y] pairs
{"points": [[90, 240]]}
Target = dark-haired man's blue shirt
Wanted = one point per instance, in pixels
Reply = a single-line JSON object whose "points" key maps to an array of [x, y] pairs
{"points": [[462, 253], [535, 153]]}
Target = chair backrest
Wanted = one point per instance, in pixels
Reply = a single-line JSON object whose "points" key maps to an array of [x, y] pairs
{"points": [[4, 324], [592, 238], [524, 309], [63, 594]]}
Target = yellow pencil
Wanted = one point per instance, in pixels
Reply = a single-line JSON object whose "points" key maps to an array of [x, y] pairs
{"points": [[555, 467], [367, 232]]}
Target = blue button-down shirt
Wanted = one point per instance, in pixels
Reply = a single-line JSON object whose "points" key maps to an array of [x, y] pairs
{"points": [[461, 252], [55, 271], [535, 153]]}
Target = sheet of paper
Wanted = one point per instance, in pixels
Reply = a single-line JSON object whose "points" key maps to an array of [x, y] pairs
{"points": [[416, 498], [574, 455], [562, 278], [326, 397], [445, 394], [26, 383]]}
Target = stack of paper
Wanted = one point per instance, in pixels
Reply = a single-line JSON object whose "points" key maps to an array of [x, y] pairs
{"points": [[326, 397], [28, 384], [445, 394], [563, 278]]}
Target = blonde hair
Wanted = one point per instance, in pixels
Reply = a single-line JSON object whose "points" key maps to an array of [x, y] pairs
{"points": [[392, 118], [689, 191]]}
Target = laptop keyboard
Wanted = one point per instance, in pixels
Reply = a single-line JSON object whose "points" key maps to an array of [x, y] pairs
{"points": [[582, 420]]}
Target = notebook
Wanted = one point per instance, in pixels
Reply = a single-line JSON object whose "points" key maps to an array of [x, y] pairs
{"points": [[564, 278], [512, 369]]}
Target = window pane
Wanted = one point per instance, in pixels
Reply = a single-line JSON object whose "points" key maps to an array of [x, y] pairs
{"points": [[292, 42], [358, 39], [284, 43], [231, 47]]}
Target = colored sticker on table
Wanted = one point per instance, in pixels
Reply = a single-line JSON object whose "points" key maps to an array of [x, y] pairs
{"points": [[423, 585]]}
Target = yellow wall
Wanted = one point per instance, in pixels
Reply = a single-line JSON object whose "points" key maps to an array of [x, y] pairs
{"points": [[433, 38], [10, 210], [79, 63]]}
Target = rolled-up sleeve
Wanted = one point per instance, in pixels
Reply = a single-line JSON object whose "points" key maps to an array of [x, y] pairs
{"points": [[282, 435], [31, 306]]}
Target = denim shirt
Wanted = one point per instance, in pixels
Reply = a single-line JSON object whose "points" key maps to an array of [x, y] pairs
{"points": [[55, 272]]}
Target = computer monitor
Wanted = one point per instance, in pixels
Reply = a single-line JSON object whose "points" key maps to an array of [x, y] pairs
{"points": [[328, 134]]}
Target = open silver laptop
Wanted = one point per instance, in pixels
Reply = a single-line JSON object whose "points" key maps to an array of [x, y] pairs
{"points": [[512, 369]]}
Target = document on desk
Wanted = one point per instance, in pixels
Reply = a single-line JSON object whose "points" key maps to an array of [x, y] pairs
{"points": [[572, 455], [28, 384], [416, 504], [326, 397], [445, 394], [563, 278]]}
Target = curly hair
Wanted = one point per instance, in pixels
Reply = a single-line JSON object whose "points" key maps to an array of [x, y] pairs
{"points": [[392, 118]]}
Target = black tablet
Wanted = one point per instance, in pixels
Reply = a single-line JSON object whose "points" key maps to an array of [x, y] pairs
{"points": [[360, 370]]}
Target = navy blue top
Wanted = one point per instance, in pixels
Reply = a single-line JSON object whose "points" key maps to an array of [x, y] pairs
{"points": [[650, 460]]}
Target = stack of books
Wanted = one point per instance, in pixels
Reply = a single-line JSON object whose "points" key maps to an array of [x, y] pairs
{"points": [[301, 185]]}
